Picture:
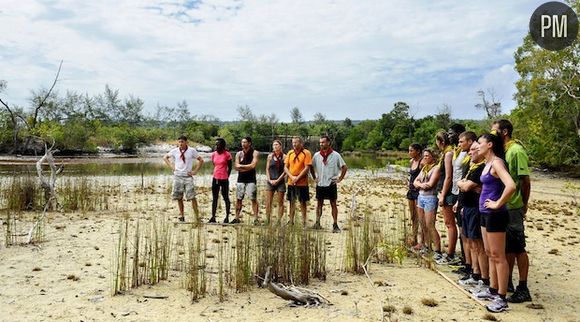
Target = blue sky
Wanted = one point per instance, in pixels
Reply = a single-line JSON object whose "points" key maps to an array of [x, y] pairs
{"points": [[342, 58]]}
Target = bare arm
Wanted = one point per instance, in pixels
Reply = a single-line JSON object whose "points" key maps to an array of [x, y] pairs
{"points": [[251, 166], [433, 181], [466, 185], [510, 187], [448, 164], [168, 159], [526, 187], [197, 166], [303, 173], [343, 170], [417, 183]]}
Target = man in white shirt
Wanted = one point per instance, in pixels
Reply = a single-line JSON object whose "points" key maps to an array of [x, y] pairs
{"points": [[328, 169], [180, 160]]}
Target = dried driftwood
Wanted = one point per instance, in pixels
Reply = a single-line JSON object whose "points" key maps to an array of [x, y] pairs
{"points": [[49, 186], [298, 295]]}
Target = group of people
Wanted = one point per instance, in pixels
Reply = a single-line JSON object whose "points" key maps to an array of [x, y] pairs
{"points": [[482, 186], [286, 173]]}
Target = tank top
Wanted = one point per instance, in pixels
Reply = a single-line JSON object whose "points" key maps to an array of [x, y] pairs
{"points": [[247, 176], [430, 192], [276, 167], [458, 168], [413, 174], [491, 188]]}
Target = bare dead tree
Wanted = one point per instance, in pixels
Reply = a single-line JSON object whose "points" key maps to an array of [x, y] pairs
{"points": [[48, 184], [491, 107], [14, 116]]}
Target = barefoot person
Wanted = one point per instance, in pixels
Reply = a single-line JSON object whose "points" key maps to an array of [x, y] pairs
{"points": [[180, 160], [328, 170], [246, 161], [468, 202], [275, 180], [222, 162], [426, 182], [415, 152], [517, 160], [497, 188], [297, 164]]}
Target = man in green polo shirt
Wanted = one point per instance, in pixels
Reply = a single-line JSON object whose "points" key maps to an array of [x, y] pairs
{"points": [[517, 161]]}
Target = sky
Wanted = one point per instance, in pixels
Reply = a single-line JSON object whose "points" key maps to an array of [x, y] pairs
{"points": [[341, 58]]}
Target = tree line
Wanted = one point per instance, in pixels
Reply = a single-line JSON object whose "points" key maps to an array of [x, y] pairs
{"points": [[546, 119]]}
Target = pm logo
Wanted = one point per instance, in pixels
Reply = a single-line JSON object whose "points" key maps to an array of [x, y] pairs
{"points": [[554, 25]]}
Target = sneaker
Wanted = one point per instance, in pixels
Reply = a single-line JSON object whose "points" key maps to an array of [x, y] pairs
{"points": [[317, 226], [227, 220], [479, 287], [498, 305], [443, 260], [468, 282], [335, 228], [461, 271], [455, 260], [212, 220], [182, 218], [235, 221], [437, 257], [520, 295], [484, 294]]}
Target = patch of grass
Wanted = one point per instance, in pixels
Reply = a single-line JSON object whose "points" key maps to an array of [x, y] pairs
{"points": [[489, 317], [37, 269], [389, 309], [407, 310], [429, 302], [73, 277]]}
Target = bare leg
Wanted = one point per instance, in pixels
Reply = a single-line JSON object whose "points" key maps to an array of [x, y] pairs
{"points": [[195, 209], [303, 210], [255, 209], [430, 217], [449, 219], [497, 248], [238, 208], [319, 204], [180, 205], [280, 205], [269, 196], [414, 222], [292, 211], [334, 211]]}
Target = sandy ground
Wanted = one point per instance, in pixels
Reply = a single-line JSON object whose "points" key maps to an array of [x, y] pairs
{"points": [[36, 282]]}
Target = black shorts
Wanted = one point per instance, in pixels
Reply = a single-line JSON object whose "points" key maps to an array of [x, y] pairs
{"points": [[329, 192], [412, 194], [471, 223], [298, 192], [495, 222], [515, 239], [450, 199]]}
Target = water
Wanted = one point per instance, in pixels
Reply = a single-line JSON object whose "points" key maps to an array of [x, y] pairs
{"points": [[155, 166]]}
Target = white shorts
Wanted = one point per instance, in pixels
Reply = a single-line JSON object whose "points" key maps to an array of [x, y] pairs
{"points": [[247, 189]]}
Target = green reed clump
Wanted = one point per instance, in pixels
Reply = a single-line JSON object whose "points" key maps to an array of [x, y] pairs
{"points": [[243, 268], [21, 193], [294, 255], [359, 244], [10, 235], [144, 260], [120, 256], [195, 278]]}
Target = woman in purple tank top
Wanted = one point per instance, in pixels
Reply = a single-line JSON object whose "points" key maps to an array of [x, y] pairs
{"points": [[497, 188]]}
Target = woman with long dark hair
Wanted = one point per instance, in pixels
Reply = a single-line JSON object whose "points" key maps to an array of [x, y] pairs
{"points": [[415, 152], [222, 161], [275, 180], [497, 188]]}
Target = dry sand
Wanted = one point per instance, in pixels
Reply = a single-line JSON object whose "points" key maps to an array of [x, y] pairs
{"points": [[68, 277]]}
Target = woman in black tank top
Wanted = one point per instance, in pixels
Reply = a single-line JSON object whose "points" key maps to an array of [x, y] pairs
{"points": [[415, 151]]}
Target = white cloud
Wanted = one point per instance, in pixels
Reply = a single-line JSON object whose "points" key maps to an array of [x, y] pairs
{"points": [[344, 58]]}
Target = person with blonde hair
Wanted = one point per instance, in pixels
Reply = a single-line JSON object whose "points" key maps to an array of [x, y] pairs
{"points": [[426, 182]]}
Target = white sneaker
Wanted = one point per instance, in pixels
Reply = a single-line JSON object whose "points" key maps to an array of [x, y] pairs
{"points": [[498, 305], [443, 260], [480, 286], [485, 294], [468, 282], [437, 257]]}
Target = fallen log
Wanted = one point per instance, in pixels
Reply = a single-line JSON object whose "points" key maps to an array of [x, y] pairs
{"points": [[298, 295]]}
